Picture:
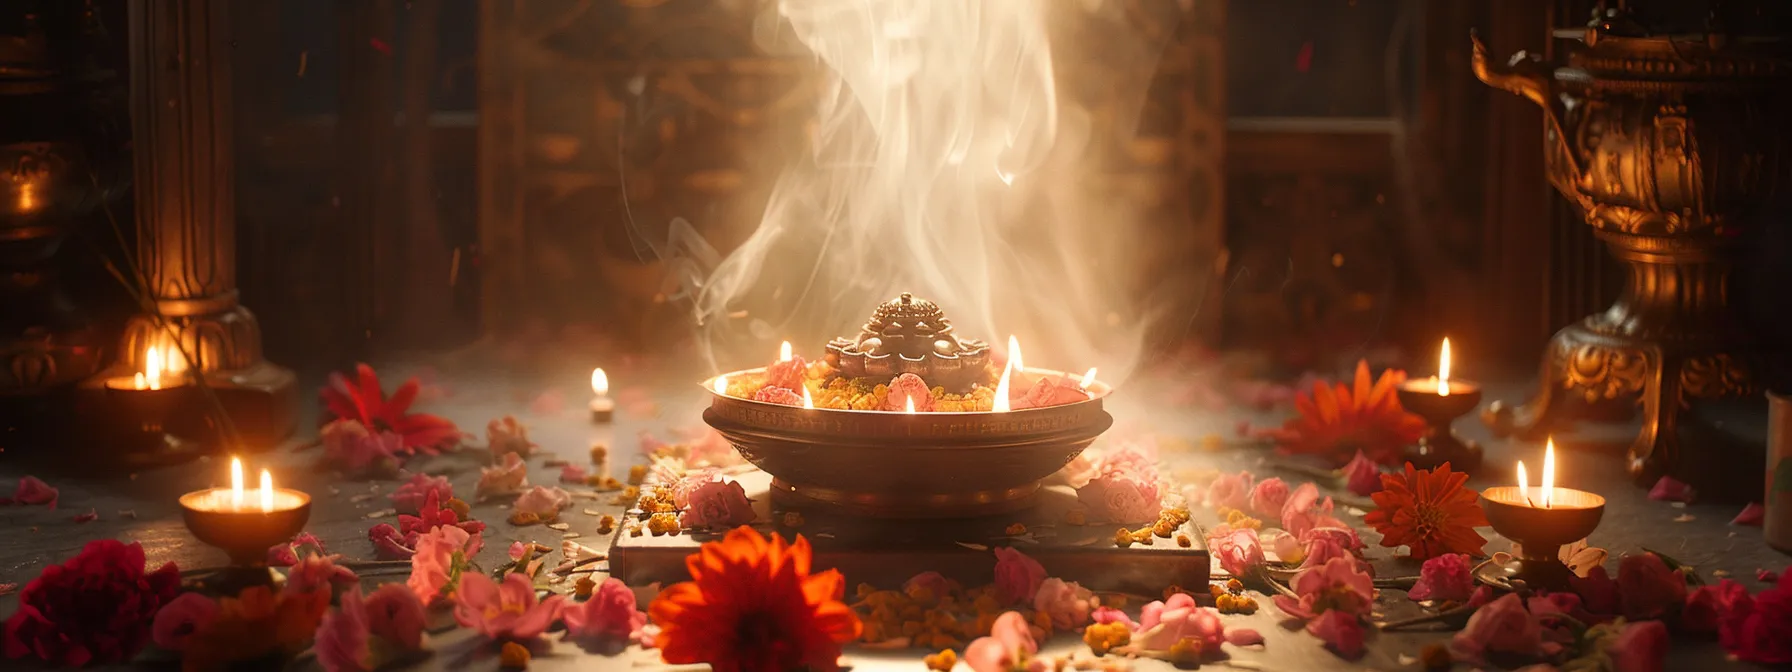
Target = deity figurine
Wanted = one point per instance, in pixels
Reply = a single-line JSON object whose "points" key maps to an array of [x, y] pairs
{"points": [[910, 335]]}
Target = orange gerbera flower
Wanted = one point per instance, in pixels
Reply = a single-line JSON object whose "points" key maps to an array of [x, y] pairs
{"points": [[752, 605], [1428, 512], [1336, 421]]}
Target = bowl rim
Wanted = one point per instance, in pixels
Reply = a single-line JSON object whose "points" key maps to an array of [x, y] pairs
{"points": [[1099, 391]]}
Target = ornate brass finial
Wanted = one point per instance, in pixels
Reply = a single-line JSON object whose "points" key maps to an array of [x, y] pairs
{"points": [[910, 335]]}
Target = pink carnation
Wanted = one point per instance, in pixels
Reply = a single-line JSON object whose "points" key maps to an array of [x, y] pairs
{"points": [[1268, 497], [506, 436], [1066, 603], [352, 448], [504, 611], [1231, 491], [1362, 476], [609, 614], [1501, 626], [778, 395], [719, 504], [409, 496], [442, 555], [177, 620], [544, 502], [1341, 631], [1017, 576], [1052, 392], [1335, 586], [1010, 644], [508, 476], [1445, 577], [906, 387], [787, 374], [1122, 496], [1238, 550]]}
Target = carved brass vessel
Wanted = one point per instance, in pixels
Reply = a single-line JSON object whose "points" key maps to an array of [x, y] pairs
{"points": [[910, 335], [1666, 143]]}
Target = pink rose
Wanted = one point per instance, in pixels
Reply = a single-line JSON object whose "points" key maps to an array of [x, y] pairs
{"points": [[318, 572], [906, 387], [1231, 491], [508, 476], [1335, 586], [1598, 592], [1017, 576], [544, 502], [782, 396], [1053, 392], [1709, 607], [1339, 630], [1500, 626], [1066, 603], [1238, 550], [1122, 496], [1445, 577], [342, 637], [1010, 644], [410, 495], [395, 615], [609, 614], [719, 504], [1304, 511], [352, 448], [1362, 476], [1268, 497], [176, 621], [442, 554], [1321, 544], [508, 610], [506, 436], [1179, 618], [788, 374], [683, 486], [1639, 647], [1759, 630], [1647, 588], [574, 473]]}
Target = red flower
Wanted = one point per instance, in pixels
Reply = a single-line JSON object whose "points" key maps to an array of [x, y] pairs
{"points": [[1760, 631], [1428, 512], [363, 400], [1336, 422], [751, 604], [1647, 588], [95, 608], [431, 516]]}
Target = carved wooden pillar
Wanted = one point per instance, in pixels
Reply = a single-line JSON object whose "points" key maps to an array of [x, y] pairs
{"points": [[185, 190]]}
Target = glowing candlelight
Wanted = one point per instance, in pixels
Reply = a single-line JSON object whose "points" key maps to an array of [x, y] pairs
{"points": [[1001, 400], [1549, 471], [267, 491], [601, 406], [151, 378], [236, 483], [1524, 484], [721, 384], [784, 353], [911, 405], [1443, 370], [600, 383], [1014, 354], [1088, 378], [808, 402]]}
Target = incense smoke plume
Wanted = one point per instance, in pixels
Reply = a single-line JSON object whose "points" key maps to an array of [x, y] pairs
{"points": [[946, 159]]}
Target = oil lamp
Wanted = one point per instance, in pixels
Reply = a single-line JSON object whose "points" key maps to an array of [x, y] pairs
{"points": [[1542, 521], [152, 406], [602, 408], [245, 523], [1440, 400]]}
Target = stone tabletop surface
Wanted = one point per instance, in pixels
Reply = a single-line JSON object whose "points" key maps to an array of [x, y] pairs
{"points": [[549, 395]]}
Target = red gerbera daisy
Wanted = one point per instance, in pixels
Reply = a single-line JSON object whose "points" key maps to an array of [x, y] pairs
{"points": [[1428, 512], [364, 401], [752, 605], [1336, 421]]}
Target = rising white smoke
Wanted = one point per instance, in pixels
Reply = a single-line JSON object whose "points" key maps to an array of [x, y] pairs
{"points": [[944, 161]]}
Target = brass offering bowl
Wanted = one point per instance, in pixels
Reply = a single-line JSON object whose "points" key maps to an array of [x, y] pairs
{"points": [[1542, 532], [246, 534], [908, 465]]}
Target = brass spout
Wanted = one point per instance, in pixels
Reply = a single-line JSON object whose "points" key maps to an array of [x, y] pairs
{"points": [[1522, 75]]}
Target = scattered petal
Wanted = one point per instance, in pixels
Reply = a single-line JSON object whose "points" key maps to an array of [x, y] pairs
{"points": [[382, 513], [88, 517], [1683, 518], [1669, 489], [1766, 576], [974, 547], [1751, 515]]}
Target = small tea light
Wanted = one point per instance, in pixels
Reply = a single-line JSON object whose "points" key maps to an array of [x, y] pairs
{"points": [[153, 377], [1542, 520], [245, 523], [602, 407]]}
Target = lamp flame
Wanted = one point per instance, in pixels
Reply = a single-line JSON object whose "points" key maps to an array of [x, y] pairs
{"points": [[152, 368], [1549, 471], [784, 353], [1088, 378], [911, 405], [600, 382], [267, 491], [1443, 370], [720, 385], [808, 402], [1001, 401], [236, 483], [1524, 485], [1014, 354]]}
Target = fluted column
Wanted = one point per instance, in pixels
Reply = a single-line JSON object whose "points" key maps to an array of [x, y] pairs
{"points": [[185, 189]]}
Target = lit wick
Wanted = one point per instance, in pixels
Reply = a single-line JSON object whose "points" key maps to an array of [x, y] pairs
{"points": [[808, 402], [235, 484], [721, 385], [1549, 470], [602, 409], [1088, 378], [911, 405], [784, 353], [267, 491], [1524, 486], [1014, 354], [1001, 401], [1443, 370]]}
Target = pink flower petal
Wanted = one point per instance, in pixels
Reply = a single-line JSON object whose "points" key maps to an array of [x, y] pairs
{"points": [[33, 490], [1752, 515], [1243, 637], [1670, 490], [88, 517], [1766, 576]]}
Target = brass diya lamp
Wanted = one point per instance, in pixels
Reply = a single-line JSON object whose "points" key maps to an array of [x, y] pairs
{"points": [[1440, 401], [1542, 521], [245, 523], [905, 463]]}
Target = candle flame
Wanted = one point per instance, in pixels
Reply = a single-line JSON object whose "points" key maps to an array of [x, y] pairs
{"points": [[1443, 370], [784, 353], [267, 491], [139, 383], [1524, 485], [1088, 378], [600, 382], [236, 483], [1014, 354], [721, 385], [911, 405], [1549, 470], [152, 368], [808, 401], [1001, 401]]}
